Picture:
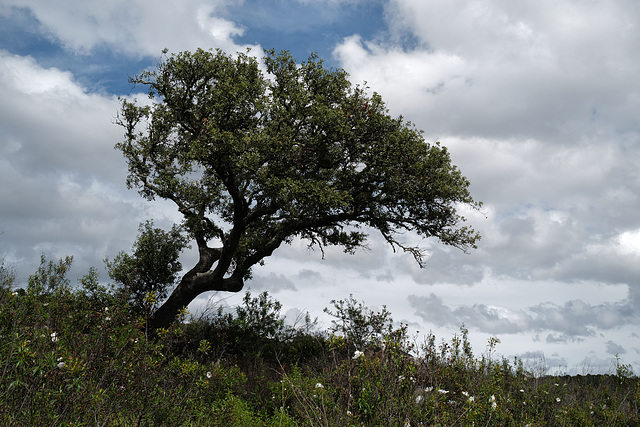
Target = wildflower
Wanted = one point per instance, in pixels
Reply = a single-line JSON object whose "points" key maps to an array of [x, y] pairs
{"points": [[107, 318], [357, 354], [418, 398], [349, 413], [494, 405], [209, 374], [54, 337], [558, 399], [318, 385], [521, 390], [401, 378], [472, 399], [61, 364], [464, 393], [442, 391], [428, 389]]}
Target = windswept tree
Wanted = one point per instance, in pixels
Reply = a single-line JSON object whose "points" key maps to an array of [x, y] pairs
{"points": [[254, 158]]}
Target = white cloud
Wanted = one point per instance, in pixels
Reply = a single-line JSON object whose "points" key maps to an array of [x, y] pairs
{"points": [[64, 190], [133, 27], [497, 69], [630, 242]]}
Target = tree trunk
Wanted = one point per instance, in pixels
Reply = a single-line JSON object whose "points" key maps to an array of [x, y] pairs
{"points": [[189, 288]]}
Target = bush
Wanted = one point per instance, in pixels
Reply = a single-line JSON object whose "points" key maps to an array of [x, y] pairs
{"points": [[77, 355]]}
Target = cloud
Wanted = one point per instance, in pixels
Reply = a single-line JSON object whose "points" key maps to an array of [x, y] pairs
{"points": [[132, 27], [63, 180], [567, 322], [272, 283], [538, 105], [615, 349], [499, 70]]}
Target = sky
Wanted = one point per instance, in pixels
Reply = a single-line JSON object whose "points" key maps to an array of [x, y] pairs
{"points": [[538, 102]]}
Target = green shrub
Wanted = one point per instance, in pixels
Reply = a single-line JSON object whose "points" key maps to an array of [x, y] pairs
{"points": [[79, 356]]}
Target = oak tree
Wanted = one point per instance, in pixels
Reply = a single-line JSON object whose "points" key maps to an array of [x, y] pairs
{"points": [[255, 155]]}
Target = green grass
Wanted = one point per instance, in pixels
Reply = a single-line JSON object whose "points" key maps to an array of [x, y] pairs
{"points": [[77, 356]]}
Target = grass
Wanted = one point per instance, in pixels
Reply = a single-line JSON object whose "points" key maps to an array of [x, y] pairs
{"points": [[78, 357]]}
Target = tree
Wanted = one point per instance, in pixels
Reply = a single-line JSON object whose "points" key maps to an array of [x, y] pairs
{"points": [[254, 159], [152, 267], [358, 324]]}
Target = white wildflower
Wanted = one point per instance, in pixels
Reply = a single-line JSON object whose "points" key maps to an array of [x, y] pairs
{"points": [[558, 399], [357, 354], [318, 385], [209, 375], [442, 391], [494, 405], [401, 378], [464, 393], [418, 398], [54, 337], [428, 389]]}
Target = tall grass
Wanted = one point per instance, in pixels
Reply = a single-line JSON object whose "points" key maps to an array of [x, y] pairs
{"points": [[77, 356]]}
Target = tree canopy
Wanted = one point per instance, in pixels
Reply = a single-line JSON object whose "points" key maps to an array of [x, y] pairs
{"points": [[256, 154]]}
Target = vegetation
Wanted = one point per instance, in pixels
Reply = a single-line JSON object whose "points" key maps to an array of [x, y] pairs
{"points": [[253, 159], [80, 356]]}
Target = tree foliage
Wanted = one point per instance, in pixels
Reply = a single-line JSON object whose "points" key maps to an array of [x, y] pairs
{"points": [[152, 267], [50, 276], [254, 158], [359, 325]]}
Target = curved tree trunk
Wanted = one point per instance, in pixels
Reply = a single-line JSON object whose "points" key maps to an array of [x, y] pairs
{"points": [[189, 288]]}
